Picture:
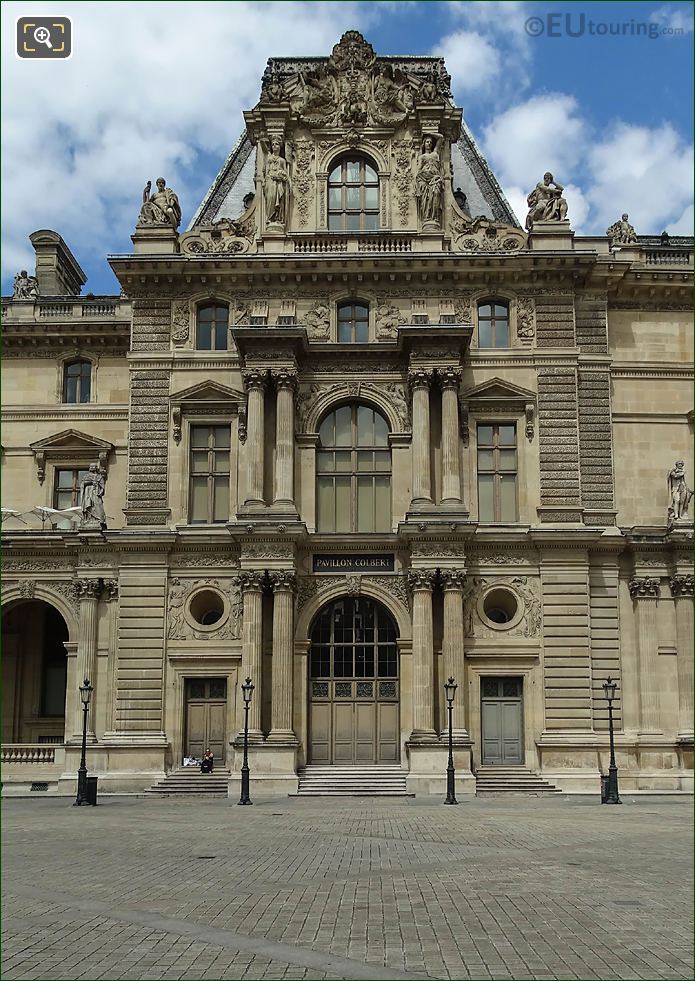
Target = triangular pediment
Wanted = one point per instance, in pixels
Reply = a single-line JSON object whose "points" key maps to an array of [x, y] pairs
{"points": [[208, 391], [498, 390], [71, 439]]}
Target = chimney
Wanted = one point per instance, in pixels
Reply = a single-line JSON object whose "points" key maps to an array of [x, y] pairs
{"points": [[57, 269]]}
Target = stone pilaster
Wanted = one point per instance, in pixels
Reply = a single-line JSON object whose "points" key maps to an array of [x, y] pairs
{"points": [[89, 591], [255, 382], [420, 381], [682, 592], [283, 585], [453, 582], [450, 379], [421, 582], [286, 384], [645, 593], [252, 586]]}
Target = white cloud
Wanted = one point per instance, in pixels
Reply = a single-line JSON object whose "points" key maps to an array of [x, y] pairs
{"points": [[684, 224], [472, 61], [544, 133], [147, 91], [675, 20]]}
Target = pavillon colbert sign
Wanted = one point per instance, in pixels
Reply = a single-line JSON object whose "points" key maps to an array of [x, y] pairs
{"points": [[353, 563]]}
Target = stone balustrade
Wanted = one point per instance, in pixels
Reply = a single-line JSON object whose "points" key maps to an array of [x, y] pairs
{"points": [[28, 753]]}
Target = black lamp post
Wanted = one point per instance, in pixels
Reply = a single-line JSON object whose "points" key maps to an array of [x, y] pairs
{"points": [[247, 692], [611, 796], [450, 690], [85, 694]]}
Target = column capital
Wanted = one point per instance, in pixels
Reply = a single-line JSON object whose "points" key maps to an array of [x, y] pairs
{"points": [[681, 585], [449, 376], [88, 589], [421, 579], [254, 378], [283, 581], [284, 378], [110, 590], [454, 579], [253, 581], [420, 377], [644, 587]]}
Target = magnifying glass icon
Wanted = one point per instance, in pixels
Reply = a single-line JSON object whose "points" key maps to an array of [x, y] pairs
{"points": [[43, 36]]}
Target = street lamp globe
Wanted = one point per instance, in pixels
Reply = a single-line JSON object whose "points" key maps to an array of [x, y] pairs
{"points": [[86, 691], [247, 690]]}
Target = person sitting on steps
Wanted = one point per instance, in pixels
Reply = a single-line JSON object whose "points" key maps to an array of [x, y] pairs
{"points": [[206, 764]]}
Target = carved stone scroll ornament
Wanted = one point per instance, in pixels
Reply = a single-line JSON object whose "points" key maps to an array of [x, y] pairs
{"points": [[526, 318], [679, 493], [644, 586], [402, 178], [25, 287], [180, 321], [484, 235], [224, 237], [621, 232], [353, 585], [318, 321], [160, 208], [387, 319], [302, 179], [545, 202], [178, 627], [681, 585]]}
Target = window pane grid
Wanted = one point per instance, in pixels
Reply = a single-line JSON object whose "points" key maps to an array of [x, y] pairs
{"points": [[493, 324], [66, 490], [353, 197], [212, 323], [77, 377], [209, 474], [497, 473]]}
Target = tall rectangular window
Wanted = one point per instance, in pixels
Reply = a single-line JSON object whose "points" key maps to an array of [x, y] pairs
{"points": [[212, 327], [66, 489], [497, 473], [209, 486]]}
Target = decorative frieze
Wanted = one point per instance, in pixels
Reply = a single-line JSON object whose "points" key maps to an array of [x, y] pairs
{"points": [[310, 586]]}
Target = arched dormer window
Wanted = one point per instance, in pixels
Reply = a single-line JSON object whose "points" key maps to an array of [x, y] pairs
{"points": [[212, 326], [353, 196], [353, 471], [493, 323], [77, 381], [353, 322]]}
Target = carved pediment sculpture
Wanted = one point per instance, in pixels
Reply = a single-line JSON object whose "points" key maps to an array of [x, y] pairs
{"points": [[161, 207], [484, 235], [225, 237]]}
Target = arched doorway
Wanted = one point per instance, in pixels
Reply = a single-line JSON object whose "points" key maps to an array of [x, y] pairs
{"points": [[354, 684], [34, 673]]}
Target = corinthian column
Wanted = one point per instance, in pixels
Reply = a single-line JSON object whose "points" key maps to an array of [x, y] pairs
{"points": [[420, 381], [283, 584], [88, 591], [453, 582], [252, 584], [682, 592], [255, 382], [421, 582], [645, 592], [285, 382], [450, 379]]}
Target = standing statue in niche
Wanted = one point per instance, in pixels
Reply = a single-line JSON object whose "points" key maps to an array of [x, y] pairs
{"points": [[429, 182], [160, 208], [92, 499], [678, 492], [545, 202], [276, 184]]}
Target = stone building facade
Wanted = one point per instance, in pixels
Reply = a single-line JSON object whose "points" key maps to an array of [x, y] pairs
{"points": [[355, 431]]}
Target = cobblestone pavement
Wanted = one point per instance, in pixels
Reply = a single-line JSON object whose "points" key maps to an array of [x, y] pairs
{"points": [[352, 888]]}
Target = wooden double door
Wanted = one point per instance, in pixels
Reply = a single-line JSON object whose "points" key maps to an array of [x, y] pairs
{"points": [[354, 685], [502, 721], [206, 718]]}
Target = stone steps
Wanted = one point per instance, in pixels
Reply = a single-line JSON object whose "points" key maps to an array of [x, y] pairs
{"points": [[189, 781], [511, 780], [352, 781]]}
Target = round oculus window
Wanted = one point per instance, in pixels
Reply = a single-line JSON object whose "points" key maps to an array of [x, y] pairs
{"points": [[206, 607], [500, 607]]}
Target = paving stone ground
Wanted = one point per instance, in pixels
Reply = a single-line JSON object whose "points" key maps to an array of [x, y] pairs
{"points": [[371, 888]]}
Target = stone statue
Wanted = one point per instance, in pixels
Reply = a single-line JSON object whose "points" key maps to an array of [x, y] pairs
{"points": [[621, 232], [92, 498], [678, 491], [319, 100], [276, 184], [392, 100], [25, 287], [160, 208], [429, 182], [272, 89], [462, 201], [545, 202]]}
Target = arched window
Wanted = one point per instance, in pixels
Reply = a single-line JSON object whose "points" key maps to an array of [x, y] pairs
{"points": [[353, 471], [77, 381], [493, 323], [353, 323], [212, 325], [353, 197]]}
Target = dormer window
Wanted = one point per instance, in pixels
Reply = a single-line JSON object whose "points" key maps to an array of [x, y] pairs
{"points": [[353, 197]]}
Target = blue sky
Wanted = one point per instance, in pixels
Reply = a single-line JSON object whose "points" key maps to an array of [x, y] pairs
{"points": [[159, 89]]}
